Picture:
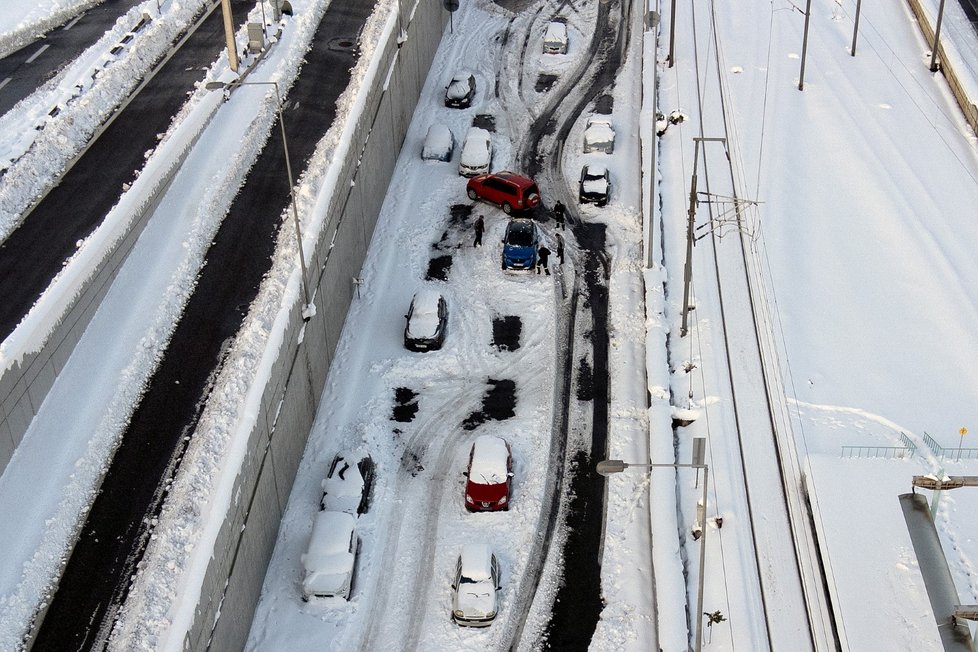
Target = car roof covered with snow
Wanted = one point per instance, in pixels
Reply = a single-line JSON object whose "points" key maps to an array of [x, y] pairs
{"points": [[438, 144], [344, 486], [424, 318], [599, 135], [489, 460], [328, 561]]}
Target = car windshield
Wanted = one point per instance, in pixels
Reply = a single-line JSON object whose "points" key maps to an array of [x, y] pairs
{"points": [[520, 235], [592, 175]]}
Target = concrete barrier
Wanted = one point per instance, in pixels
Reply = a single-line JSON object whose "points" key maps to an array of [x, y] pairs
{"points": [[234, 577], [958, 87]]}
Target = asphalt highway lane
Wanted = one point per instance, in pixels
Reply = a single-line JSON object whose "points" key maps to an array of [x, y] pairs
{"points": [[112, 541], [23, 71], [35, 252]]}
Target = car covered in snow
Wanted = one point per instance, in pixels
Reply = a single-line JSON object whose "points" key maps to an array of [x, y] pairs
{"points": [[476, 154], [599, 135], [439, 144], [460, 91], [330, 557], [511, 191], [555, 38], [477, 579], [521, 244], [346, 487], [489, 475], [427, 321], [595, 185]]}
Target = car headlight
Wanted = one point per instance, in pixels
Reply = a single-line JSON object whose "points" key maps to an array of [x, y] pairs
{"points": [[468, 499], [459, 613], [491, 614], [502, 501]]}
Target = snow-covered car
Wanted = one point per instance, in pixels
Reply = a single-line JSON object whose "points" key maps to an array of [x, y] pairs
{"points": [[511, 191], [599, 135], [521, 244], [438, 144], [427, 321], [555, 38], [474, 589], [476, 153], [330, 557], [489, 475], [346, 487], [460, 91], [595, 185]]}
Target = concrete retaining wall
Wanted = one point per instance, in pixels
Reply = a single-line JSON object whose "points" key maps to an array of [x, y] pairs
{"points": [[958, 89], [24, 385], [235, 575]]}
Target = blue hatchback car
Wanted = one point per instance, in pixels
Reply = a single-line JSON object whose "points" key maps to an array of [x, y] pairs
{"points": [[521, 244]]}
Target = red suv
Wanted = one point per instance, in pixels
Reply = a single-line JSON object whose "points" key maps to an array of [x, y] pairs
{"points": [[508, 189], [490, 475]]}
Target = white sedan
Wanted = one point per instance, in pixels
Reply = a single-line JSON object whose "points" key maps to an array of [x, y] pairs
{"points": [[475, 586]]}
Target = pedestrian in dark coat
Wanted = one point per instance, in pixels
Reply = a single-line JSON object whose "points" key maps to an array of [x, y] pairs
{"points": [[480, 226], [559, 212], [543, 254], [560, 248]]}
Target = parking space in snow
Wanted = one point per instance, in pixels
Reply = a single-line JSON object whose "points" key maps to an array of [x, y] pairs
{"points": [[506, 332], [438, 268], [498, 404], [405, 405], [545, 82], [485, 121]]}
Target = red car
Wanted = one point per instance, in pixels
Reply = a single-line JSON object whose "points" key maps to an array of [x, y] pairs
{"points": [[490, 475], [510, 190]]}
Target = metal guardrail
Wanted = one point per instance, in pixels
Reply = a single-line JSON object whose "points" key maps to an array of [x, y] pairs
{"points": [[950, 453], [908, 449], [877, 451]]}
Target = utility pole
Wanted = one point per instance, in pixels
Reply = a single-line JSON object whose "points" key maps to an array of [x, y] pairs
{"points": [[652, 24], [229, 35], [804, 46], [688, 270], [610, 467], [672, 33], [937, 39], [855, 29]]}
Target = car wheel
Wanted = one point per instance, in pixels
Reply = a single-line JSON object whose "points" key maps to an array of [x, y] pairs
{"points": [[507, 208], [472, 194]]}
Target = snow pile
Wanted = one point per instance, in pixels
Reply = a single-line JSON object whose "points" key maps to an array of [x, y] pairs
{"points": [[23, 21]]}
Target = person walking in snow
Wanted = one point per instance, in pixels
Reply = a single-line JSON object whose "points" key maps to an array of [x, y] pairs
{"points": [[543, 254], [480, 226], [559, 212], [560, 248]]}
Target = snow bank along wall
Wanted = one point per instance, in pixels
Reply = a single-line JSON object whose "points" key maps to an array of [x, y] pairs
{"points": [[244, 546]]}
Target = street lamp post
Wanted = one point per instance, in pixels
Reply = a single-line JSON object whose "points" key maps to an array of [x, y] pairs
{"points": [[214, 85], [610, 467]]}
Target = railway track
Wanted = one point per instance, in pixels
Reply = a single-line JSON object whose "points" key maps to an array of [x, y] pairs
{"points": [[792, 590]]}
